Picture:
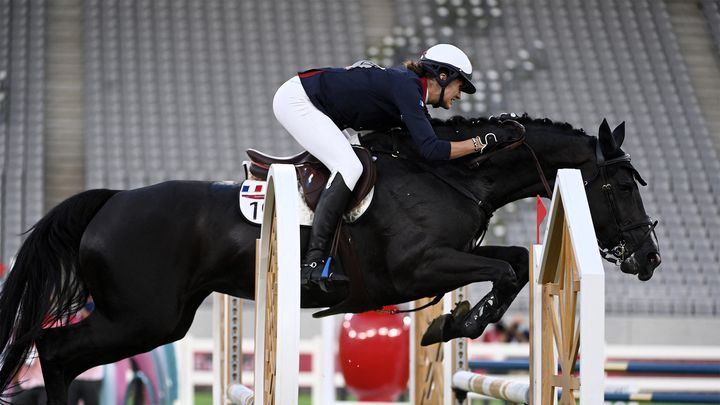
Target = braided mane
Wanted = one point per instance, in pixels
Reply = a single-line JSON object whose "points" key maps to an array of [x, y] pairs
{"points": [[524, 119]]}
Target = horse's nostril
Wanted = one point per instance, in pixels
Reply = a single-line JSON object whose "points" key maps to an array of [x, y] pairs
{"points": [[654, 258]]}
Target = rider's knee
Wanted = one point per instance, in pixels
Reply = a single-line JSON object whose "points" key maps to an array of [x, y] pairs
{"points": [[351, 172]]}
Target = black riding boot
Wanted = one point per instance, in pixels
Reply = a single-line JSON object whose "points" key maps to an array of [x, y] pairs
{"points": [[329, 211]]}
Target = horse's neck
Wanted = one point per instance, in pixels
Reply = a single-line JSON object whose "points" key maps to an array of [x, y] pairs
{"points": [[555, 148]]}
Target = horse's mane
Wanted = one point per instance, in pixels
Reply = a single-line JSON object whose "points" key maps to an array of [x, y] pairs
{"points": [[450, 130], [524, 119]]}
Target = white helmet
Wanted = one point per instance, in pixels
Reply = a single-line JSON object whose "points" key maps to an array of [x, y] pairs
{"points": [[452, 58]]}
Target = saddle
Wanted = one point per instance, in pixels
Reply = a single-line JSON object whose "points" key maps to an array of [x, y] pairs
{"points": [[313, 175]]}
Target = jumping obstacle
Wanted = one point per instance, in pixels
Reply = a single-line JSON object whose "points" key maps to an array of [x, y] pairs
{"points": [[566, 280], [277, 307]]}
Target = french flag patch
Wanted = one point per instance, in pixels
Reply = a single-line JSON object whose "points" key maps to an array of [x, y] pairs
{"points": [[252, 200], [256, 188]]}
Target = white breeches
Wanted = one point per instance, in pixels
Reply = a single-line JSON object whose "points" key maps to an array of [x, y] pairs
{"points": [[315, 131]]}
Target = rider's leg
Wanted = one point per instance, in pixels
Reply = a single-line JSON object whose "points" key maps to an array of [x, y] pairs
{"points": [[319, 135], [327, 215]]}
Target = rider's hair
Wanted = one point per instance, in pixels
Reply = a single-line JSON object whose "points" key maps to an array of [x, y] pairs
{"points": [[419, 69]]}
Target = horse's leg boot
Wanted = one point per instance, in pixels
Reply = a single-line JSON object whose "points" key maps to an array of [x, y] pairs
{"points": [[481, 315], [315, 268]]}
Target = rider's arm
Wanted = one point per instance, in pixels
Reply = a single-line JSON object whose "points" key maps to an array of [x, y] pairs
{"points": [[461, 148], [413, 114]]}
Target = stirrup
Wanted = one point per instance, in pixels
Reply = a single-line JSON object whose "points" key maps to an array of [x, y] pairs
{"points": [[312, 271]]}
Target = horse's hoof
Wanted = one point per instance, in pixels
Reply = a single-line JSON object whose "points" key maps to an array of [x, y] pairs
{"points": [[461, 309], [435, 332]]}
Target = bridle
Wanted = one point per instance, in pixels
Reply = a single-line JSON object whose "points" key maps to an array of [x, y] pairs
{"points": [[619, 252]]}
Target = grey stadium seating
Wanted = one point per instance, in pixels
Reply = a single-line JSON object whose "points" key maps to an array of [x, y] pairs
{"points": [[179, 89]]}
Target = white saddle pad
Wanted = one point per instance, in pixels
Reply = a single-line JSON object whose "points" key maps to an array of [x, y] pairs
{"points": [[252, 204]]}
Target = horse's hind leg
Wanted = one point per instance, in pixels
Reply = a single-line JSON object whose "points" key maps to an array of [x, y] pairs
{"points": [[67, 351]]}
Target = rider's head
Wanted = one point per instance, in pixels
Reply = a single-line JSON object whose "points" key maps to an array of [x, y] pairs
{"points": [[447, 63]]}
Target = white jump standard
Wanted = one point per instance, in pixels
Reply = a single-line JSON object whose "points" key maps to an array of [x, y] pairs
{"points": [[277, 303]]}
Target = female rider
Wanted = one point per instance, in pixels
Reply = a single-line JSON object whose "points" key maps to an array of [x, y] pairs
{"points": [[315, 105]]}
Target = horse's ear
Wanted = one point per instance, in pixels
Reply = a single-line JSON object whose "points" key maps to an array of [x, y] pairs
{"points": [[607, 140], [619, 134]]}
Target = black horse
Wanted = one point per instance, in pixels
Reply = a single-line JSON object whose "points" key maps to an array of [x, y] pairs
{"points": [[150, 256]]}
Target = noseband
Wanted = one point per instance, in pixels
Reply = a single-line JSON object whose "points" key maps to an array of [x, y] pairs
{"points": [[619, 252]]}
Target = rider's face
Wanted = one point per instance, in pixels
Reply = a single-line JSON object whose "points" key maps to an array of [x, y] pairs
{"points": [[452, 93]]}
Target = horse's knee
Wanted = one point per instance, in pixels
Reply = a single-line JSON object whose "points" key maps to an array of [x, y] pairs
{"points": [[506, 283], [519, 258], [507, 276], [518, 254]]}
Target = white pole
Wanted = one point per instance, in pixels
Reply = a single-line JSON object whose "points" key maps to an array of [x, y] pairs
{"points": [[536, 331], [326, 394], [514, 391], [282, 195]]}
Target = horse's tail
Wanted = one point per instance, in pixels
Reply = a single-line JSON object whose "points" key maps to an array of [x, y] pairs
{"points": [[43, 288]]}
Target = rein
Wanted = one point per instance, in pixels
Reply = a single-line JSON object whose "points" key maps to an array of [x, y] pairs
{"points": [[464, 191], [513, 144]]}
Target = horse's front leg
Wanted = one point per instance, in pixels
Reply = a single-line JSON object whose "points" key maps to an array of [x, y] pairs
{"points": [[442, 269], [464, 321], [505, 292]]}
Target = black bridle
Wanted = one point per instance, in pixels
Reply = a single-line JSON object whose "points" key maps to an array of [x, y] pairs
{"points": [[619, 252]]}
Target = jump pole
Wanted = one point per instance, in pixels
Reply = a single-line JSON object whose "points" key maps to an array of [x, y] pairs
{"points": [[277, 302]]}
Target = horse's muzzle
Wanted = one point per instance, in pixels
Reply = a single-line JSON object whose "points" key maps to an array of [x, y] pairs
{"points": [[642, 263]]}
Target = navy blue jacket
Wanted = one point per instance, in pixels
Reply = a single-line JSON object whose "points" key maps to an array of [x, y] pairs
{"points": [[368, 97]]}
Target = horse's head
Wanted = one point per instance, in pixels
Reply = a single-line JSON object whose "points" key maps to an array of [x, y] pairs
{"points": [[627, 236]]}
